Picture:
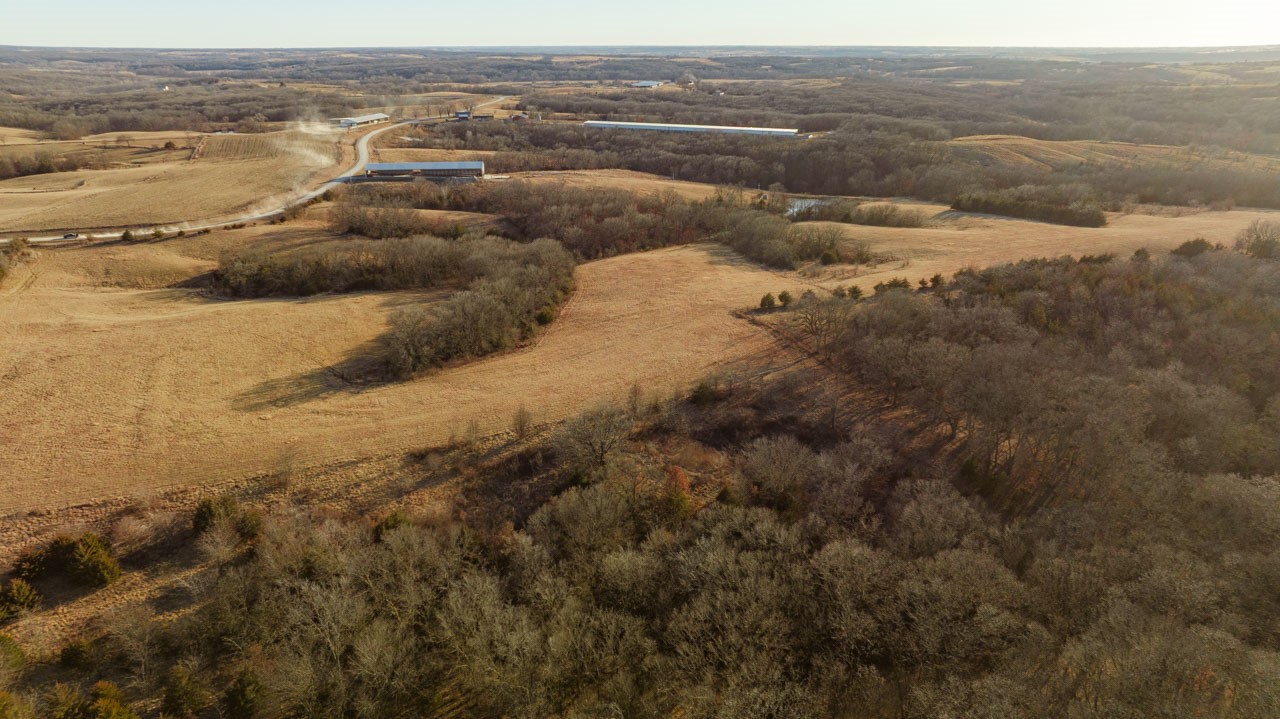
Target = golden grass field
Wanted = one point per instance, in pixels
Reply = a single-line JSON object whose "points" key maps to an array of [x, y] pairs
{"points": [[111, 391], [117, 385], [18, 136], [233, 174], [638, 182], [1048, 154], [401, 154]]}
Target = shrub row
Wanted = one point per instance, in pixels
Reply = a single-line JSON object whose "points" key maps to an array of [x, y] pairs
{"points": [[1012, 204], [384, 222], [853, 213], [18, 597], [363, 265], [493, 314]]}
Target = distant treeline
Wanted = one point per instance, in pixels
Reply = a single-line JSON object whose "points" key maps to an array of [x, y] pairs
{"points": [[595, 223], [70, 111], [1048, 104], [879, 157]]}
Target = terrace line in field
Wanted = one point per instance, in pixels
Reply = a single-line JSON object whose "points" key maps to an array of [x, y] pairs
{"points": [[470, 168], [664, 127]]}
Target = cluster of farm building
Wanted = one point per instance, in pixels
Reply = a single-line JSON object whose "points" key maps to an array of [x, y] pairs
{"points": [[474, 170]]}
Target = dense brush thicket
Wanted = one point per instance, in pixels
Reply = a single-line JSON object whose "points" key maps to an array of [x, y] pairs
{"points": [[595, 223], [1032, 204], [361, 265], [507, 289], [518, 290], [1085, 374], [384, 222]]}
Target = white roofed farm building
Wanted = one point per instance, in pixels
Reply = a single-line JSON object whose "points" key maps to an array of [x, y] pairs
{"points": [[664, 127], [425, 170], [376, 118]]}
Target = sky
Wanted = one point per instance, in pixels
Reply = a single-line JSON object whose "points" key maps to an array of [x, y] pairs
{"points": [[436, 23]]}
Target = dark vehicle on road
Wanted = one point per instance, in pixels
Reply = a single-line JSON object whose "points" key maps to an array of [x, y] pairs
{"points": [[71, 235]]}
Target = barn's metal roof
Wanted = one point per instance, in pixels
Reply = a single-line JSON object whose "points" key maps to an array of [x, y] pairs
{"points": [[690, 128], [423, 166], [366, 118]]}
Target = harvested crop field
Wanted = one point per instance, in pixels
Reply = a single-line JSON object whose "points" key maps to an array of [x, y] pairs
{"points": [[233, 174]]}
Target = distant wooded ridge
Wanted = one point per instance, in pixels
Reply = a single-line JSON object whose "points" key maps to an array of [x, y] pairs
{"points": [[1228, 53]]}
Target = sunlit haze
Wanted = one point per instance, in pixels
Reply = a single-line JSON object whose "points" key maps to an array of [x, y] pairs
{"points": [[424, 23]]}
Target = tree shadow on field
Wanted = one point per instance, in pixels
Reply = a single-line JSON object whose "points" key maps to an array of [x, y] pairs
{"points": [[361, 370], [722, 255]]}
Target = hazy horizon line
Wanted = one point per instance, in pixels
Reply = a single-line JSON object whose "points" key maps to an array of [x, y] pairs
{"points": [[647, 46]]}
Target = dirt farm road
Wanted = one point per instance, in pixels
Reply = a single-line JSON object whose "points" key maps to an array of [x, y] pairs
{"points": [[362, 159]]}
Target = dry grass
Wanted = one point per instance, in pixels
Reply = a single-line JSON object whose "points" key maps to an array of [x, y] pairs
{"points": [[143, 139], [954, 241], [638, 182], [1048, 154], [236, 174], [111, 392], [18, 136], [400, 154]]}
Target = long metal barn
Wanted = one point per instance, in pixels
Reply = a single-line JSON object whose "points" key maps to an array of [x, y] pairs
{"points": [[664, 127], [425, 169], [376, 118]]}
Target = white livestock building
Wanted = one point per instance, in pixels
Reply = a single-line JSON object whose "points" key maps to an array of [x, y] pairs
{"points": [[347, 123], [663, 127]]}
